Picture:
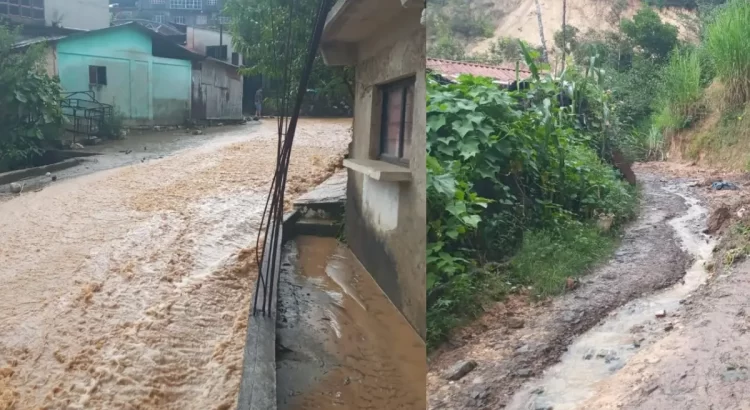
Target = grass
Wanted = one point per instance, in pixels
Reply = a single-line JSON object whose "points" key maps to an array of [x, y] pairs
{"points": [[726, 41], [546, 260], [541, 267], [681, 91]]}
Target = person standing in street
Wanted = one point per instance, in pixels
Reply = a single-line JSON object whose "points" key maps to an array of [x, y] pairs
{"points": [[258, 102]]}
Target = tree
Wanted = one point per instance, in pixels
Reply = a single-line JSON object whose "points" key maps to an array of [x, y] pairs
{"points": [[30, 113], [571, 39], [545, 58], [646, 30], [265, 30]]}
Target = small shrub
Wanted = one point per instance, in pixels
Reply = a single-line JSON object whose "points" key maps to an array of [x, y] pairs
{"points": [[112, 127]]}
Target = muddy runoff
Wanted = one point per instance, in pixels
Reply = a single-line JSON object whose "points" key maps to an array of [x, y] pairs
{"points": [[605, 349], [129, 288], [551, 354]]}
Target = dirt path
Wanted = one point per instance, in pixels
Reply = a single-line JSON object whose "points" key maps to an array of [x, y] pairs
{"points": [[129, 288], [515, 345]]}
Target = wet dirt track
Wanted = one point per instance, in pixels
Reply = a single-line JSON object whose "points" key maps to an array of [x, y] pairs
{"points": [[129, 288], [651, 257]]}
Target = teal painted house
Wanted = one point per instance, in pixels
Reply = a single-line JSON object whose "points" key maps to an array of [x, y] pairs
{"points": [[145, 76]]}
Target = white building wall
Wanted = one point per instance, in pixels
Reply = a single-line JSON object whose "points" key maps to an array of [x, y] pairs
{"points": [[198, 39], [81, 14]]}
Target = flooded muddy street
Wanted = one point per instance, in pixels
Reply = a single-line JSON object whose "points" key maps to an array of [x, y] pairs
{"points": [[129, 288]]}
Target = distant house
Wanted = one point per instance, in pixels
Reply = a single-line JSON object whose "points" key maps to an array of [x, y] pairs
{"points": [[186, 12], [385, 211], [504, 75], [77, 14], [147, 78], [213, 43]]}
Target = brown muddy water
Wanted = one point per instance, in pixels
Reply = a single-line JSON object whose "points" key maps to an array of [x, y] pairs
{"points": [[343, 344], [129, 288]]}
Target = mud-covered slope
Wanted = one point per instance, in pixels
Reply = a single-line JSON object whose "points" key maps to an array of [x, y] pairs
{"points": [[518, 19]]}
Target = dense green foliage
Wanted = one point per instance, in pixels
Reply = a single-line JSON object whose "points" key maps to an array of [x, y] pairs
{"points": [[30, 113], [727, 42], [260, 30], [646, 31], [506, 168], [680, 90]]}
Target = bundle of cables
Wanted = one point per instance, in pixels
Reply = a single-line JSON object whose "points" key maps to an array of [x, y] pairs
{"points": [[295, 65]]}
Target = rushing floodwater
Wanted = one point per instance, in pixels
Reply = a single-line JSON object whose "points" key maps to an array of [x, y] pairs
{"points": [[129, 288]]}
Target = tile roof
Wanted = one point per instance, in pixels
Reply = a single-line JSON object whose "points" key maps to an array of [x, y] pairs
{"points": [[504, 74]]}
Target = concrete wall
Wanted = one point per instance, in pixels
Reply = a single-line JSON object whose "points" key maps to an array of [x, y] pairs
{"points": [[217, 92], [386, 221], [83, 14], [197, 39], [171, 90], [144, 89]]}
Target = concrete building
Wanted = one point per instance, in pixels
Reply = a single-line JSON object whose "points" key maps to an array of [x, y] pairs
{"points": [[187, 12], [385, 211], [147, 78], [213, 43], [77, 14]]}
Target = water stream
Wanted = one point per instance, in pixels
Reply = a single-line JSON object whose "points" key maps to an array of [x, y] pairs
{"points": [[603, 350]]}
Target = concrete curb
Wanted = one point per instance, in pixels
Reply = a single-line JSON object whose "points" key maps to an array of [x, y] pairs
{"points": [[14, 176], [258, 384]]}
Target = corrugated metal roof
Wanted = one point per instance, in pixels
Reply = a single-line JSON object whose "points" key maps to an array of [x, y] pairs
{"points": [[504, 74], [36, 40]]}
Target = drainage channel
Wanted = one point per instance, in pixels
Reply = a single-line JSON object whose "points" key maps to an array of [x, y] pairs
{"points": [[606, 348]]}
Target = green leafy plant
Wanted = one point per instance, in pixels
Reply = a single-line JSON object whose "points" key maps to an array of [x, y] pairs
{"points": [[30, 113], [504, 164]]}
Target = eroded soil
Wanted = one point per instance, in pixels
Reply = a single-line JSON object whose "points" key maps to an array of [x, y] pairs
{"points": [[510, 352], [686, 346], [129, 288]]}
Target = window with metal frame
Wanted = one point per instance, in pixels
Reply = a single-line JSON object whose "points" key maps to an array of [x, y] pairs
{"points": [[178, 19], [186, 4], [396, 120], [201, 20], [97, 75], [211, 2], [224, 20], [158, 1], [158, 18]]}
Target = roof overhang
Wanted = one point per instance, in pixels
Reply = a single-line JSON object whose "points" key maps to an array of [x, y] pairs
{"points": [[352, 21]]}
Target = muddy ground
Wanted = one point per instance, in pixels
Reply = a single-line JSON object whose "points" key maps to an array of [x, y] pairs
{"points": [[532, 357], [129, 288]]}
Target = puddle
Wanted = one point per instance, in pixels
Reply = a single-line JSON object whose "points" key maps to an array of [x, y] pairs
{"points": [[344, 345], [605, 349]]}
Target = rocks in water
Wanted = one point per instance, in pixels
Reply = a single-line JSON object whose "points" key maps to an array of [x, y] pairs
{"points": [[717, 219], [668, 327], [460, 370], [525, 372], [15, 187], [589, 354], [515, 323], [197, 132], [662, 313]]}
